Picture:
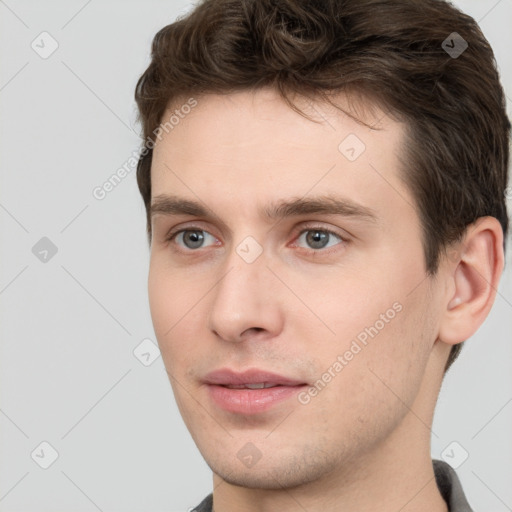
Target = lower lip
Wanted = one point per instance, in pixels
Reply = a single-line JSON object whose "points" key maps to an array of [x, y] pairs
{"points": [[251, 401]]}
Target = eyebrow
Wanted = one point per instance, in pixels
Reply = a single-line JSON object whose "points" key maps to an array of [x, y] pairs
{"points": [[327, 205]]}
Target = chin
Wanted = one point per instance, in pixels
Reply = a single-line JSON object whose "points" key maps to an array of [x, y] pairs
{"points": [[272, 474]]}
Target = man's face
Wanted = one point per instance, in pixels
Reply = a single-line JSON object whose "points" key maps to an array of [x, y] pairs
{"points": [[348, 317]]}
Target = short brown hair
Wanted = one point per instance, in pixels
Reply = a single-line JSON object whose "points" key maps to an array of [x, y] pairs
{"points": [[394, 52]]}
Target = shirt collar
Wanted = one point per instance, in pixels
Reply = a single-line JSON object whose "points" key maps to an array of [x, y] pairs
{"points": [[450, 487]]}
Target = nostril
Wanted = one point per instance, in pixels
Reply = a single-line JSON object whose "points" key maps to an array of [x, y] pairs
{"points": [[256, 329]]}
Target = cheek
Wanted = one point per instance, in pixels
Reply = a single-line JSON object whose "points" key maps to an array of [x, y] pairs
{"points": [[161, 300], [177, 305], [379, 380], [168, 308], [169, 302], [383, 328], [172, 293]]}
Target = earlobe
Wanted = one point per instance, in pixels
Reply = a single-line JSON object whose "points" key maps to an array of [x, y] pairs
{"points": [[474, 275]]}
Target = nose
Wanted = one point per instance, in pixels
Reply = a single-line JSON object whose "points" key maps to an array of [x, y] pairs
{"points": [[246, 302]]}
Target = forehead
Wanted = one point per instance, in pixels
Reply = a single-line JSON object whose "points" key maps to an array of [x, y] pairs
{"points": [[250, 148]]}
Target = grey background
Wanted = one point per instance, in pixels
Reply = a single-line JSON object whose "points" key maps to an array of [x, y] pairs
{"points": [[70, 325]]}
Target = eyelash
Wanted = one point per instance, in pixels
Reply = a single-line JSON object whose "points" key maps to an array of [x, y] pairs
{"points": [[172, 235]]}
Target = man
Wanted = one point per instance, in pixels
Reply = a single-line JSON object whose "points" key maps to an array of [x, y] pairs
{"points": [[324, 185]]}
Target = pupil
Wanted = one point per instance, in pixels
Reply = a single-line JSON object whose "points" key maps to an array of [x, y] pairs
{"points": [[317, 239], [193, 239]]}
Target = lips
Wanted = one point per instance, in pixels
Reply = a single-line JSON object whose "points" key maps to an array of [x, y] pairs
{"points": [[250, 392], [230, 378]]}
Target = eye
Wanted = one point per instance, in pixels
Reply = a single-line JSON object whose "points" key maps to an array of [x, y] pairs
{"points": [[191, 238], [316, 238], [320, 238]]}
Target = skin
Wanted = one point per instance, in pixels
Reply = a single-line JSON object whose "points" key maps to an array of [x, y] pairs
{"points": [[363, 442]]}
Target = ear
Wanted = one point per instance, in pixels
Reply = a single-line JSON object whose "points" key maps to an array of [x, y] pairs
{"points": [[474, 270]]}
